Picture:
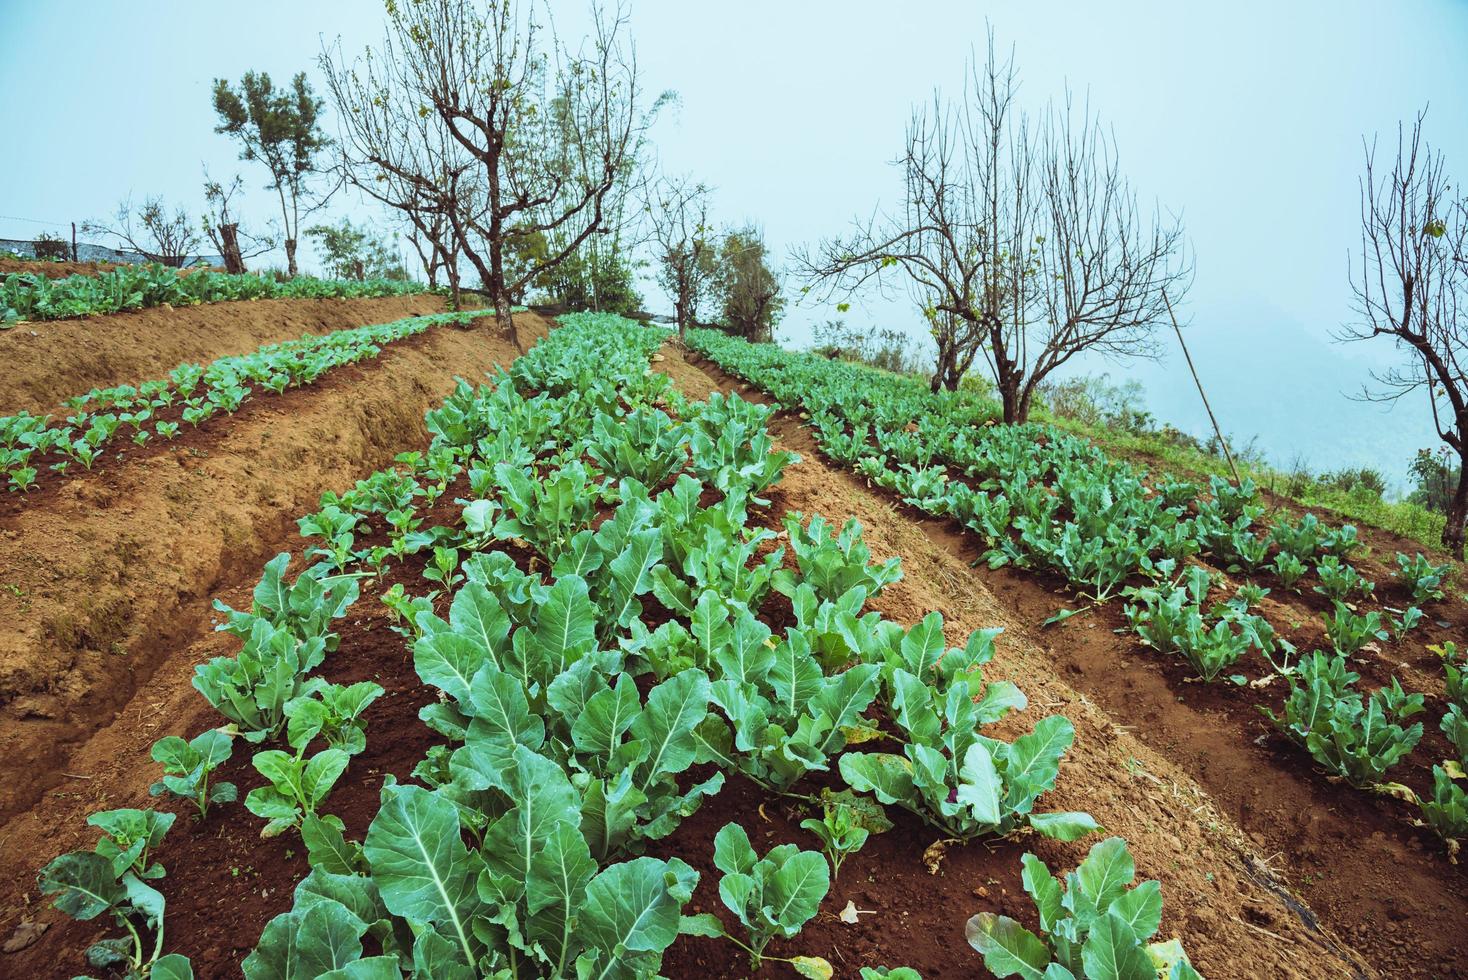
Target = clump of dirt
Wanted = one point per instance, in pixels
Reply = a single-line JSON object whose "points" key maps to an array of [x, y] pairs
{"points": [[104, 581], [48, 362]]}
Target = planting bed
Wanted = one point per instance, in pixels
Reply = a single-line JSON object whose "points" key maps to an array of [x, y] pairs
{"points": [[1355, 859], [103, 580], [47, 361]]}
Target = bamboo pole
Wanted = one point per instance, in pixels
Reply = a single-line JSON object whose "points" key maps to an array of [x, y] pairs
{"points": [[1201, 394]]}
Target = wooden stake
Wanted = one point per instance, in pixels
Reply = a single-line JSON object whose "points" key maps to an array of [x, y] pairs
{"points": [[1201, 394]]}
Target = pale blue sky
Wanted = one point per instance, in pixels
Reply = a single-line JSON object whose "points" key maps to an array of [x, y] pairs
{"points": [[1246, 117]]}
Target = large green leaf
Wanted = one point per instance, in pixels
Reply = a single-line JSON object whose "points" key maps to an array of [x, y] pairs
{"points": [[1065, 825], [1009, 948], [84, 884], [1034, 760], [979, 785], [502, 717], [674, 709], [888, 776], [477, 614], [1043, 888], [1099, 880], [793, 893], [173, 966], [605, 719], [1141, 909], [305, 943], [541, 797], [631, 575], [420, 864], [1111, 952], [558, 875], [564, 630], [449, 661], [635, 906]]}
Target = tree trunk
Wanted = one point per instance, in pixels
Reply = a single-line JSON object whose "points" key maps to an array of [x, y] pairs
{"points": [[504, 320], [1457, 512], [940, 369], [290, 257], [1026, 399], [229, 246]]}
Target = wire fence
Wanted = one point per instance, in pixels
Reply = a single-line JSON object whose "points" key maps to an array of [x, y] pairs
{"points": [[70, 251]]}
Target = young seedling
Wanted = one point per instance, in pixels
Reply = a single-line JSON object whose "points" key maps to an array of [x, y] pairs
{"points": [[188, 768], [771, 896], [846, 822]]}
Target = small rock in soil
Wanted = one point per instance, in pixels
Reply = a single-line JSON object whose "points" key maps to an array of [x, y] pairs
{"points": [[25, 934]]}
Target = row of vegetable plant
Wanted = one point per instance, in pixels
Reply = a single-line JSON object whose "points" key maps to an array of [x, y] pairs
{"points": [[1041, 498], [32, 296], [31, 445], [597, 624]]}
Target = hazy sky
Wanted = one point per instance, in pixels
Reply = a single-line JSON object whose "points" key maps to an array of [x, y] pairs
{"points": [[1246, 118]]}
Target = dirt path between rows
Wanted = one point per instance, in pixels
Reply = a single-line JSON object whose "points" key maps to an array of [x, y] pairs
{"points": [[48, 362], [102, 586], [1234, 917]]}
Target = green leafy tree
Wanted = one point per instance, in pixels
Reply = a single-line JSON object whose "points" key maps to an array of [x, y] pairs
{"points": [[751, 290], [356, 252], [281, 128]]}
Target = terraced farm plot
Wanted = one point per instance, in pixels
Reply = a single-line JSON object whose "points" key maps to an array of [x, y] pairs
{"points": [[629, 662]]}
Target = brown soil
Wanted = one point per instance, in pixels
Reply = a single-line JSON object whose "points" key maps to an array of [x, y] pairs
{"points": [[48, 362], [1235, 915], [54, 270], [107, 580]]}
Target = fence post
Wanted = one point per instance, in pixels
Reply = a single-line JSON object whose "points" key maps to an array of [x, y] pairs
{"points": [[73, 241]]}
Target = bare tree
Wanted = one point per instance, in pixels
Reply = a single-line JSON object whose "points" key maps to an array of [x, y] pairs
{"points": [[402, 156], [152, 232], [686, 245], [507, 93], [1412, 286], [222, 225], [1104, 268], [1023, 240]]}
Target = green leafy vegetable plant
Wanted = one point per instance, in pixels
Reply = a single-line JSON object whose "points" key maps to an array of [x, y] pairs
{"points": [[188, 769], [297, 786], [847, 820], [961, 782], [1354, 738], [770, 896], [110, 880], [1095, 925], [1422, 578]]}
